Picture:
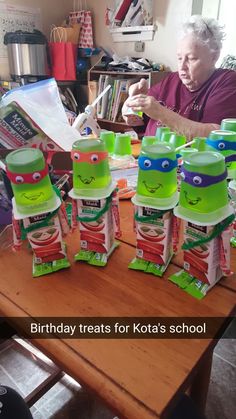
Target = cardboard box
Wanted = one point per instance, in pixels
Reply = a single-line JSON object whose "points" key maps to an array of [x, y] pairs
{"points": [[46, 242], [154, 238], [96, 236], [203, 262]]}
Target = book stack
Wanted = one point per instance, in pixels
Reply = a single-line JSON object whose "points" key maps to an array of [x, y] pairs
{"points": [[110, 106]]}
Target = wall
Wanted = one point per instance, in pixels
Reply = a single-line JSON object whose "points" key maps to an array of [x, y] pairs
{"points": [[52, 11], [168, 14]]}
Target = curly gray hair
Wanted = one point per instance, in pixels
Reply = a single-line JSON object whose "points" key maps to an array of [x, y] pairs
{"points": [[207, 31]]}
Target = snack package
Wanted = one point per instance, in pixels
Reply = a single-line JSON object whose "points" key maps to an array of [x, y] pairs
{"points": [[38, 212]]}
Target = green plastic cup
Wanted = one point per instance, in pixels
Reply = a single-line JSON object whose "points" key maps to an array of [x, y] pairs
{"points": [[91, 172], [221, 140], [109, 139], [157, 175], [199, 143], [160, 130], [30, 181], [228, 124], [199, 195], [165, 136], [177, 140], [122, 145], [148, 140]]}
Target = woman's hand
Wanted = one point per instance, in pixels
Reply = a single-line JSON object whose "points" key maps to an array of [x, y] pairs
{"points": [[144, 103], [135, 89], [138, 88]]}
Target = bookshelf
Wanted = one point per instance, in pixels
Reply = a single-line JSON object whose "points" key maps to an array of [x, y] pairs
{"points": [[153, 77]]}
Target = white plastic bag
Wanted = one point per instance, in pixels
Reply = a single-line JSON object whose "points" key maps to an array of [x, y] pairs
{"points": [[42, 103]]}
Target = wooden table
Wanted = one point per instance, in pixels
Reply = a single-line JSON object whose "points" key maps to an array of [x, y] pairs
{"points": [[128, 236], [138, 378]]}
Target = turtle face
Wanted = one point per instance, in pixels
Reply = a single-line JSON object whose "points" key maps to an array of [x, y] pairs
{"points": [[33, 194], [202, 199], [90, 170], [156, 177]]}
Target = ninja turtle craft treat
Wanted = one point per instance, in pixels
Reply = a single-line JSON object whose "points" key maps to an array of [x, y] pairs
{"points": [[32, 188], [95, 203], [203, 193], [157, 179], [38, 213], [91, 173], [155, 198], [224, 142], [207, 215]]}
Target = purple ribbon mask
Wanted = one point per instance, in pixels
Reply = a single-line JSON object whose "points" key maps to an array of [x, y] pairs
{"points": [[201, 180]]}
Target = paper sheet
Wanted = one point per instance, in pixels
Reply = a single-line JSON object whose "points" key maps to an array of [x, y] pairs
{"points": [[13, 18]]}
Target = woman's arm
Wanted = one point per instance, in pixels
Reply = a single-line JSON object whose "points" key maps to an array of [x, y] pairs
{"points": [[152, 108]]}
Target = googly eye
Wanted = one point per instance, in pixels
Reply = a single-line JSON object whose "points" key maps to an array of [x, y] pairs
{"points": [[165, 164], [182, 175], [36, 176], [147, 163], [19, 179], [221, 146], [197, 180], [76, 156], [94, 158]]}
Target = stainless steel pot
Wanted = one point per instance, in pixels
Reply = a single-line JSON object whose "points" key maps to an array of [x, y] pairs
{"points": [[27, 53]]}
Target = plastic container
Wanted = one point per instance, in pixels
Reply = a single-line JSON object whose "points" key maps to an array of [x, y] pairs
{"points": [[149, 140], [109, 140], [199, 143], [203, 191], [91, 173], [157, 175], [160, 130], [122, 145], [228, 124], [30, 181], [165, 136], [224, 142], [177, 140]]}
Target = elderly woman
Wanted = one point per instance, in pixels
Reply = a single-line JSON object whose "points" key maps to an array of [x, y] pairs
{"points": [[194, 100]]}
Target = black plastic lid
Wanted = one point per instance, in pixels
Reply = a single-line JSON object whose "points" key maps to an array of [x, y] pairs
{"points": [[20, 37]]}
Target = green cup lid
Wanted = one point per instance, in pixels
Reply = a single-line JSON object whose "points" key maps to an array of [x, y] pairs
{"points": [[25, 160]]}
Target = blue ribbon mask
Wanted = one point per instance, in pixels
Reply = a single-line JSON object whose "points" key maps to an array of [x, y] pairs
{"points": [[221, 144], [201, 180], [162, 165]]}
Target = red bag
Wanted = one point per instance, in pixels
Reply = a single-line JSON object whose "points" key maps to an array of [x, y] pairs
{"points": [[84, 17], [63, 57]]}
